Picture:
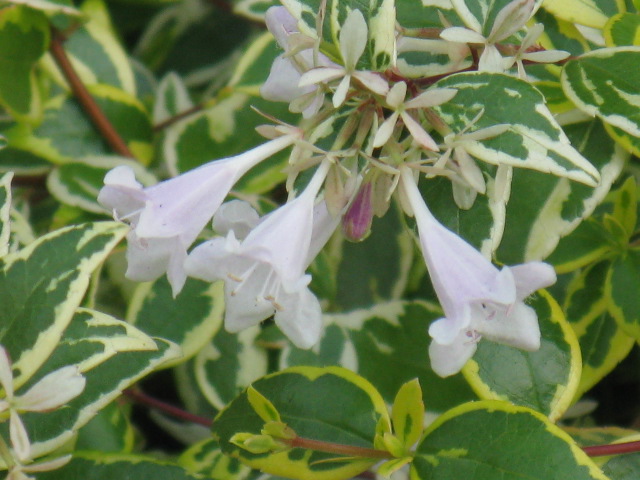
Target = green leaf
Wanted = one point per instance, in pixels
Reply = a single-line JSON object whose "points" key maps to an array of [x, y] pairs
{"points": [[5, 213], [606, 83], [490, 439], [42, 285], [328, 404], [388, 345], [545, 380], [602, 343], [623, 282], [78, 183], [65, 135], [361, 282], [206, 458], [408, 413], [592, 13], [624, 467], [228, 364], [543, 208], [480, 15], [109, 431], [189, 320], [105, 466], [24, 38], [96, 52], [622, 29], [172, 98], [534, 139], [105, 383]]}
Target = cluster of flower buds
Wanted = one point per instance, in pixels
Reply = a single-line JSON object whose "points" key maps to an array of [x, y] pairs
{"points": [[383, 135]]}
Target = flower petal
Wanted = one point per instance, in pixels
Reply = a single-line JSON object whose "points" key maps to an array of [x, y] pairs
{"points": [[447, 360], [532, 276], [300, 317], [53, 390], [6, 375], [19, 437], [517, 327], [353, 39], [461, 35]]}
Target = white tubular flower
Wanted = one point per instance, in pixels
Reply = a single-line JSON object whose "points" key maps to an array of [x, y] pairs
{"points": [[265, 273], [166, 218], [507, 22], [52, 391], [395, 101], [353, 40], [287, 69], [543, 56], [478, 299]]}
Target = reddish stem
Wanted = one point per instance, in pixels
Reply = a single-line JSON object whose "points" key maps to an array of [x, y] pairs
{"points": [[144, 399], [338, 448], [614, 449], [89, 105]]}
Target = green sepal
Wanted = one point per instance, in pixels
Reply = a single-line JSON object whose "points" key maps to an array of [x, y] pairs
{"points": [[491, 439], [328, 404], [24, 38], [545, 380], [42, 285]]}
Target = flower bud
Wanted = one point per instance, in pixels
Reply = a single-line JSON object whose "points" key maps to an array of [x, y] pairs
{"points": [[356, 223]]}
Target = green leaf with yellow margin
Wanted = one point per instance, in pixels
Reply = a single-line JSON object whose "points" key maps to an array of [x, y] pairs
{"points": [[64, 135], [606, 83], [624, 467], [592, 13], [42, 285], [5, 212], [110, 430], [622, 286], [24, 38], [111, 466], [329, 404], [227, 364], [189, 320], [603, 344], [545, 380], [488, 440], [622, 29], [408, 413], [105, 383], [388, 345], [206, 458]]}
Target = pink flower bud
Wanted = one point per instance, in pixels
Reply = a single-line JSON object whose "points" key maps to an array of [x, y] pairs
{"points": [[356, 223]]}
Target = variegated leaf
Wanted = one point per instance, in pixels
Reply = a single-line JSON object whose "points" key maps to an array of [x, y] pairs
{"points": [[534, 140], [5, 213], [189, 320], [606, 83], [592, 13], [42, 285]]}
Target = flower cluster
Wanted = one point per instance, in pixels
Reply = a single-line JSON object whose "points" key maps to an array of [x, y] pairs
{"points": [[384, 134]]}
